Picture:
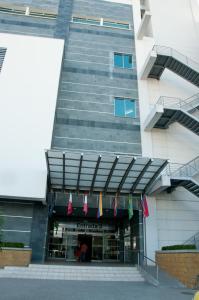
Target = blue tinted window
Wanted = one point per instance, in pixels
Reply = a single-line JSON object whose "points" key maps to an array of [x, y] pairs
{"points": [[86, 21], [116, 25], [125, 108], [119, 107], [118, 60], [123, 60], [130, 108], [128, 61], [100, 22], [92, 21], [124, 26]]}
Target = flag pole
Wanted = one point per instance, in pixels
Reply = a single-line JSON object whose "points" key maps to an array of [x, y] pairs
{"points": [[144, 230]]}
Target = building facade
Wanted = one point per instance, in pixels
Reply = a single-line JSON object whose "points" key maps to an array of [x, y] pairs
{"points": [[79, 83]]}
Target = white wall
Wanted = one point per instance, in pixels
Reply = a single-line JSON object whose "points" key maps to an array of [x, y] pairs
{"points": [[29, 85], [177, 217], [175, 24]]}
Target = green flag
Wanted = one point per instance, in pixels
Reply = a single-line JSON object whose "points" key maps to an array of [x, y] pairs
{"points": [[130, 209]]}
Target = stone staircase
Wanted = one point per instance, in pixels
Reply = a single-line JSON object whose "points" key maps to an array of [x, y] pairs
{"points": [[82, 273]]}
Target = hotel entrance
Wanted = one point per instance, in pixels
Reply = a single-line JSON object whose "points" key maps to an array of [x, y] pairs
{"points": [[94, 200], [67, 238]]}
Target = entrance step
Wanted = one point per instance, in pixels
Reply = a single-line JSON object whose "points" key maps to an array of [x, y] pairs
{"points": [[86, 273]]}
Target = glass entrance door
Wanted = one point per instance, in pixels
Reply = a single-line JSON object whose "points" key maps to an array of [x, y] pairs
{"points": [[97, 248], [111, 247], [71, 247], [65, 241]]}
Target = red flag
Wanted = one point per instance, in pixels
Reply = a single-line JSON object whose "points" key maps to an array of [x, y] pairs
{"points": [[70, 205], [144, 206], [85, 206], [115, 206]]}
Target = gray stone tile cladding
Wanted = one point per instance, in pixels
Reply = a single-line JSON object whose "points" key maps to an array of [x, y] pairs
{"points": [[17, 221], [63, 20], [47, 4], [27, 25], [89, 83], [25, 222], [39, 232], [103, 9]]}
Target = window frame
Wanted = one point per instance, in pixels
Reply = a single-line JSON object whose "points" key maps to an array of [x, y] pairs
{"points": [[116, 22], [101, 22], [125, 99], [87, 18], [123, 55]]}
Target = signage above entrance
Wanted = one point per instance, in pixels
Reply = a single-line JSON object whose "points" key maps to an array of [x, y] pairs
{"points": [[86, 226]]}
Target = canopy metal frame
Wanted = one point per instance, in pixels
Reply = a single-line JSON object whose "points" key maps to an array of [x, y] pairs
{"points": [[110, 174]]}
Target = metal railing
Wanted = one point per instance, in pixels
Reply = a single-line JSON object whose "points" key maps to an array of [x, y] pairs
{"points": [[194, 239], [149, 268], [27, 11], [168, 51], [182, 170], [190, 105], [2, 56]]}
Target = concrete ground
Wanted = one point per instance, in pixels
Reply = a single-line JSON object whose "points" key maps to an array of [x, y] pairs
{"points": [[30, 289]]}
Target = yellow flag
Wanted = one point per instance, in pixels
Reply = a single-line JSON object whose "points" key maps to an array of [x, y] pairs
{"points": [[100, 209]]}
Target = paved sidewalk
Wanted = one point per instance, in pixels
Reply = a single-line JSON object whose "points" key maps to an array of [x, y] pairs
{"points": [[30, 289]]}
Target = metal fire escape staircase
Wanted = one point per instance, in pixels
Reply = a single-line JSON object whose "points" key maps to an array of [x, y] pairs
{"points": [[176, 175], [162, 57], [168, 110], [2, 56]]}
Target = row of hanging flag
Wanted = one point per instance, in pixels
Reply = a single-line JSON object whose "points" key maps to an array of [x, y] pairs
{"points": [[143, 203]]}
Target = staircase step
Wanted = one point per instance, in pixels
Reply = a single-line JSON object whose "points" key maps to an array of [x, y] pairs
{"points": [[74, 268], [84, 273], [68, 277], [70, 273]]}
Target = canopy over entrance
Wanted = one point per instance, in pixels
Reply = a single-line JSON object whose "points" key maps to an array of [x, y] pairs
{"points": [[106, 173]]}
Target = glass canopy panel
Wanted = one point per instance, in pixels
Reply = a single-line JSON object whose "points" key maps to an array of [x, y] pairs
{"points": [[103, 172], [113, 172], [56, 168], [56, 161], [56, 181], [56, 175]]}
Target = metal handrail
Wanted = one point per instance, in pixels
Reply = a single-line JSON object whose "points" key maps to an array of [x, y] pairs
{"points": [[168, 51], [144, 266], [182, 170], [189, 105], [18, 10], [193, 239]]}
